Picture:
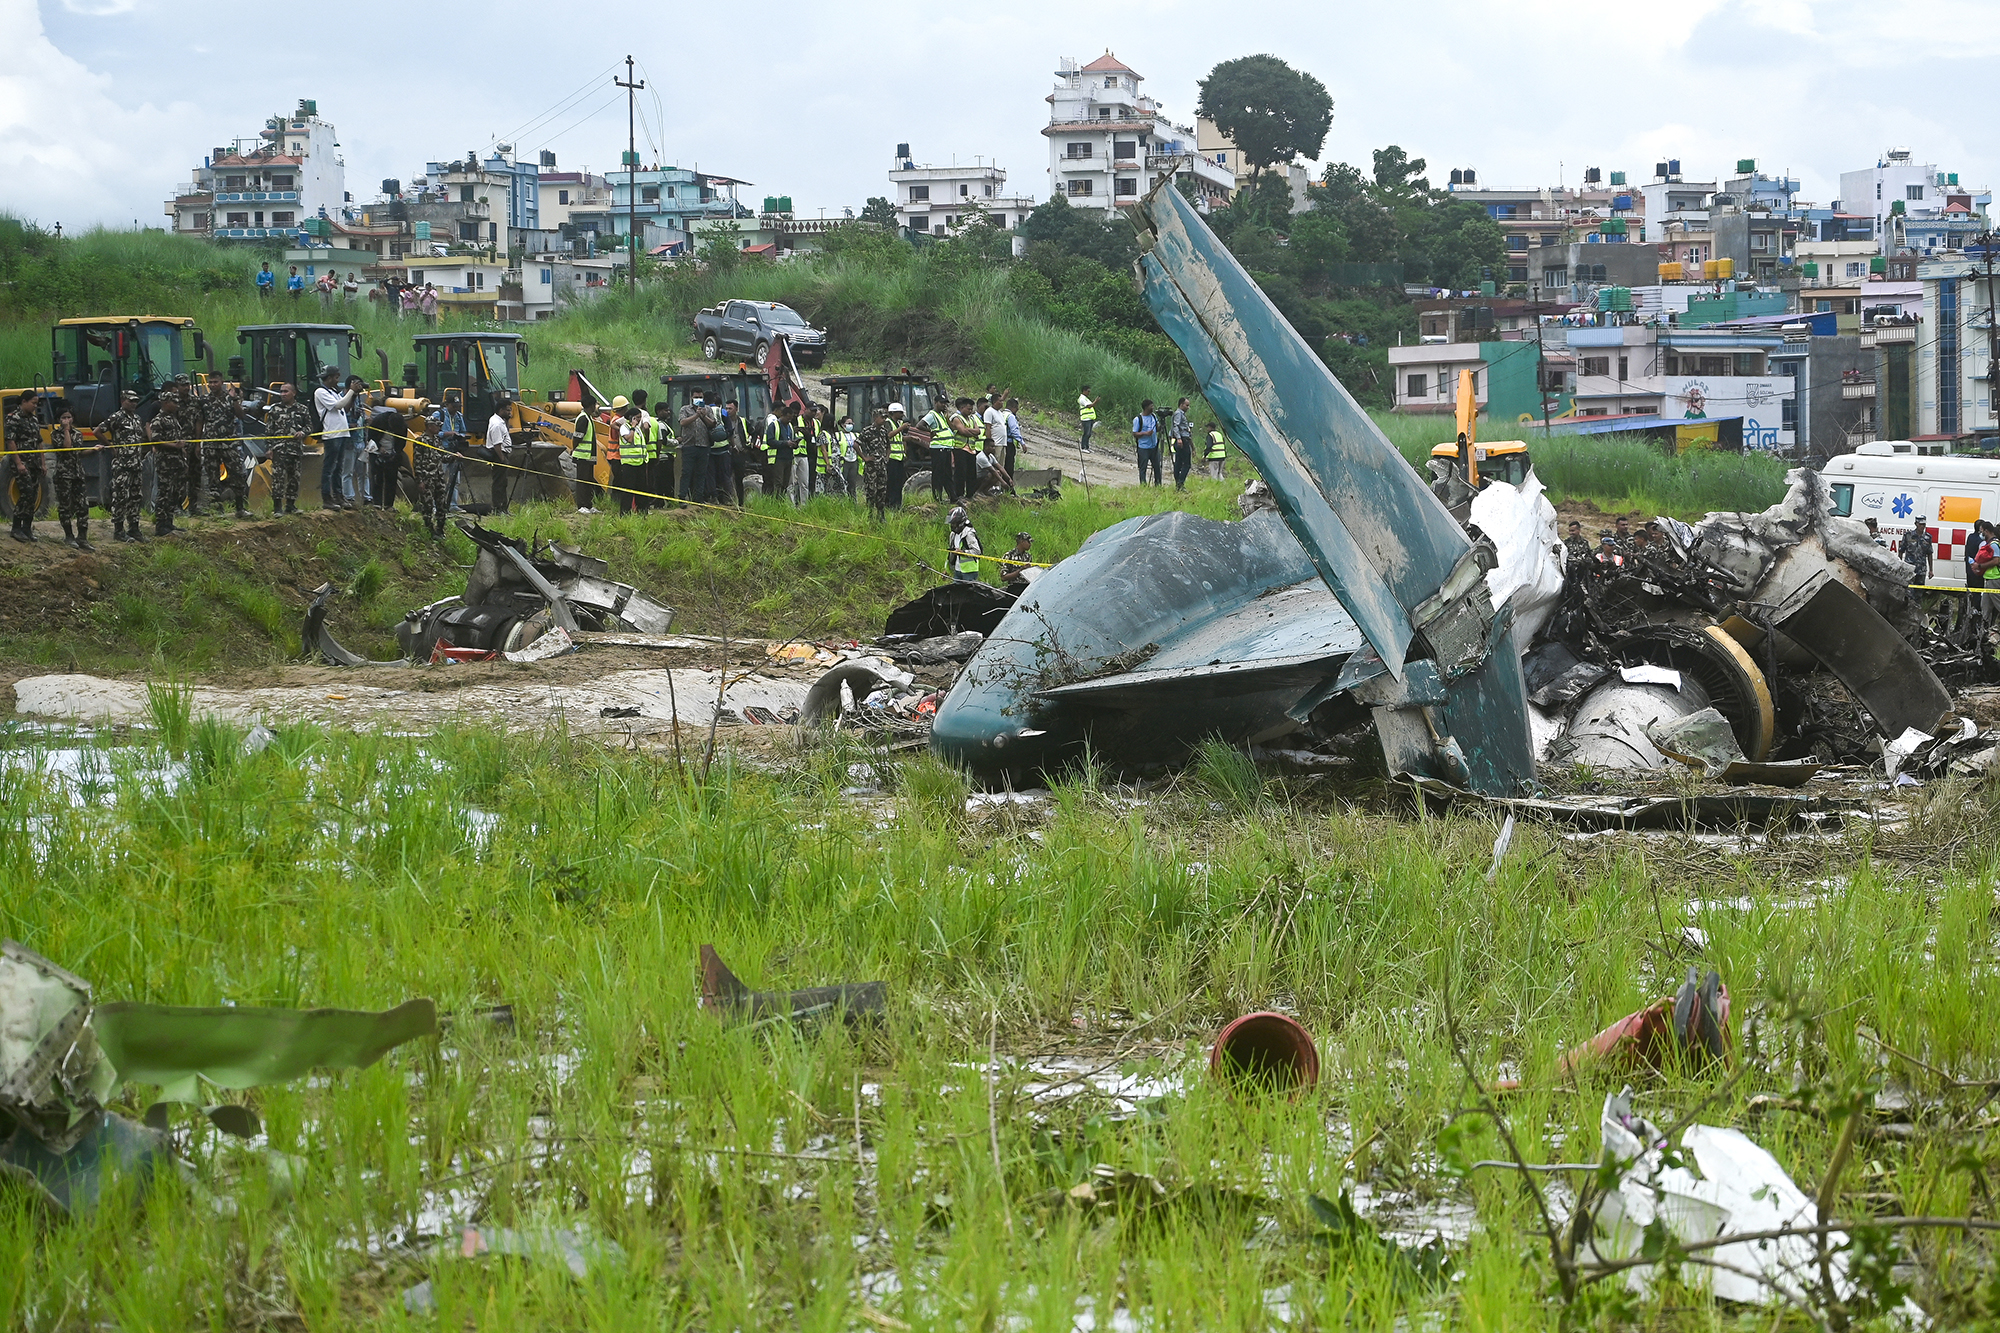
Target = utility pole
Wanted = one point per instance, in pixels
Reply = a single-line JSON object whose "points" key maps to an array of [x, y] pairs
{"points": [[631, 172]]}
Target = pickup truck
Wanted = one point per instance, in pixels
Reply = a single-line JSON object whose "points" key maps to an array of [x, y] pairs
{"points": [[745, 328]]}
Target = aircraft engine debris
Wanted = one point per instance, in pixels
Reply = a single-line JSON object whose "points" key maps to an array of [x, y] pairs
{"points": [[514, 597]]}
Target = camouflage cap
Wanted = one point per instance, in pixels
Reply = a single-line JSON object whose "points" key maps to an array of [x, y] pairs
{"points": [[181, 381]]}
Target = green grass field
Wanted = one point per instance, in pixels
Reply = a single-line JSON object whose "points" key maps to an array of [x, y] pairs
{"points": [[913, 1175]]}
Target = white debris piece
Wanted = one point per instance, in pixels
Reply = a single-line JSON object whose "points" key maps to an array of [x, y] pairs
{"points": [[1522, 525], [1735, 1188]]}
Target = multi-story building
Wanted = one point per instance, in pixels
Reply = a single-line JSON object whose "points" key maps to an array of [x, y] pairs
{"points": [[1672, 198], [1219, 148], [939, 200], [1955, 362], [563, 193], [1109, 143], [1912, 205], [481, 203], [266, 186], [1539, 227], [668, 204]]}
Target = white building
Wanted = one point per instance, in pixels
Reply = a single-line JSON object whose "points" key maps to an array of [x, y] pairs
{"points": [[940, 200], [290, 173], [1109, 143], [1915, 206]]}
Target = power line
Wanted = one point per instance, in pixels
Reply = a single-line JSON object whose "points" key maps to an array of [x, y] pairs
{"points": [[589, 86]]}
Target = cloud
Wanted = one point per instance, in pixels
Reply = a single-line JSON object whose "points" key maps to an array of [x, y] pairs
{"points": [[68, 150], [98, 9]]}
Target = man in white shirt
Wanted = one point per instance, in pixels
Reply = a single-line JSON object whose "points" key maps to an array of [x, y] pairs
{"points": [[499, 449], [336, 485]]}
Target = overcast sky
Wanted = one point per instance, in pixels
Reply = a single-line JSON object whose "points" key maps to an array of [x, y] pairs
{"points": [[107, 105]]}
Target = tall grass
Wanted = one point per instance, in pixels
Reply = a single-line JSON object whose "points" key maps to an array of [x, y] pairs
{"points": [[766, 1177]]}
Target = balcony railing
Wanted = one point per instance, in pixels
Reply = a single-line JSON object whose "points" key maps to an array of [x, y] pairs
{"points": [[258, 197]]}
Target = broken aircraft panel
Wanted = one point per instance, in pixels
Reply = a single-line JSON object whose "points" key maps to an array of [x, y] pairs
{"points": [[1166, 630]]}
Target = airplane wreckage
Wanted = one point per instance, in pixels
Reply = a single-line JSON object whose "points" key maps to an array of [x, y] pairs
{"points": [[1361, 603]]}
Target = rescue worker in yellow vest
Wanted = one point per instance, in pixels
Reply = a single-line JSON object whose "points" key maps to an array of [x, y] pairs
{"points": [[904, 440], [659, 465], [1086, 414], [631, 475], [938, 422], [1212, 456], [776, 455], [583, 453], [805, 454], [609, 420]]}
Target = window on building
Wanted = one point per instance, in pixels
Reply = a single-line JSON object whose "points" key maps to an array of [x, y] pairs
{"points": [[1125, 150], [1104, 113], [964, 191], [1673, 364], [1856, 269], [1822, 307], [1622, 364], [1788, 413], [1711, 365], [951, 220], [233, 182], [1913, 192], [1517, 273], [1080, 189], [649, 194], [1079, 149], [1417, 387], [1761, 240], [1548, 238], [1555, 277], [920, 194], [257, 218], [548, 276], [1594, 365], [238, 220], [1749, 363], [282, 219], [562, 196], [989, 191], [1516, 241], [468, 231], [1128, 185], [465, 194]]}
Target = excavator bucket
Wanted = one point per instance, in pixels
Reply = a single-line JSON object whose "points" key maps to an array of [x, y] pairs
{"points": [[1447, 698]]}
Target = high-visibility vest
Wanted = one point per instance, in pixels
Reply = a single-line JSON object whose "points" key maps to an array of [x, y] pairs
{"points": [[1215, 446], [586, 437], [896, 443], [1085, 409], [642, 438], [1992, 575], [940, 429], [610, 451], [771, 433]]}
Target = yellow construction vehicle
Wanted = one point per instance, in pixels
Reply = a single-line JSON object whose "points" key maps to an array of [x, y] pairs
{"points": [[95, 359], [1471, 464]]}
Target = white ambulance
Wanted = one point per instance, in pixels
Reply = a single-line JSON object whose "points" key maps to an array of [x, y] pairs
{"points": [[1890, 482]]}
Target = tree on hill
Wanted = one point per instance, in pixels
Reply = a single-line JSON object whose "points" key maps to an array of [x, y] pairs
{"points": [[1270, 111]]}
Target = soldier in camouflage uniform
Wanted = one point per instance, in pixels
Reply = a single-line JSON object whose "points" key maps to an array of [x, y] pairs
{"points": [[1576, 546], [432, 494], [873, 446], [290, 422], [222, 454], [128, 460], [70, 461], [24, 463], [173, 426]]}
